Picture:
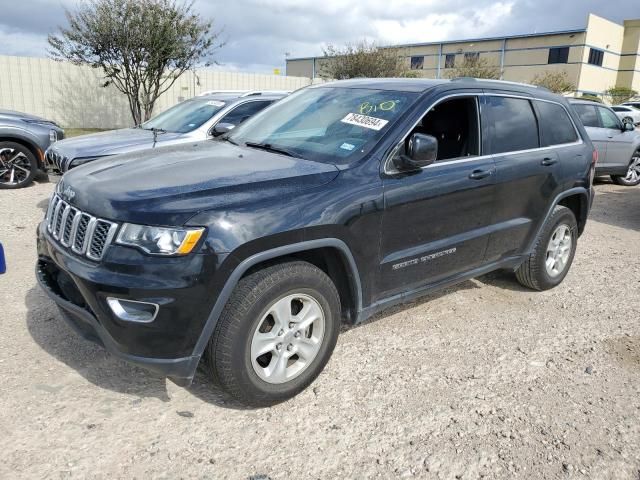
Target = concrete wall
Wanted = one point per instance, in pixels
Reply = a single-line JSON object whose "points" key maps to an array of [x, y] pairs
{"points": [[73, 96]]}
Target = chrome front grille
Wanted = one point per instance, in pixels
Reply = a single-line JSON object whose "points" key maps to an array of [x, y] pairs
{"points": [[83, 233], [56, 160]]}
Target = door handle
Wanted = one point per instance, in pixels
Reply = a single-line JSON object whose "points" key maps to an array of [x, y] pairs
{"points": [[549, 161], [480, 174]]}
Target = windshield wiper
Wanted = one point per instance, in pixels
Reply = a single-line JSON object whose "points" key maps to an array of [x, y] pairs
{"points": [[270, 148]]}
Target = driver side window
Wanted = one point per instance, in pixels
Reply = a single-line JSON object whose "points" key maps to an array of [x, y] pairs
{"points": [[454, 123], [609, 120]]}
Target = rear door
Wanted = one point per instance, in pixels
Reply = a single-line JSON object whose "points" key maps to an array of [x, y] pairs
{"points": [[527, 175]]}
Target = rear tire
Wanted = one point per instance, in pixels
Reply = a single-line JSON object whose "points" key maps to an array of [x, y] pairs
{"points": [[632, 178], [268, 312], [553, 252], [18, 165]]}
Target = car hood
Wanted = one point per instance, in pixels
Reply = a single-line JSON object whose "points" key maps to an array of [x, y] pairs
{"points": [[113, 142], [12, 114], [169, 185]]}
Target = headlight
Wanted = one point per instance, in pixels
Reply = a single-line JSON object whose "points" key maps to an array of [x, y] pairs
{"points": [[53, 136], [160, 240]]}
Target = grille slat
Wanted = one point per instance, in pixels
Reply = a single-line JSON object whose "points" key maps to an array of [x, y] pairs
{"points": [[83, 233]]}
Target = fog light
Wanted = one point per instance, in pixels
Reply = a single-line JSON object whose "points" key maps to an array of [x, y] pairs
{"points": [[133, 311]]}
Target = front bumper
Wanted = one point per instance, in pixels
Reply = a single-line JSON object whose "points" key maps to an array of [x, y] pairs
{"points": [[183, 287]]}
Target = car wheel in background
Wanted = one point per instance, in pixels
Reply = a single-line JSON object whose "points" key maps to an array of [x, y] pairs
{"points": [[17, 165], [553, 252], [632, 178], [275, 334]]}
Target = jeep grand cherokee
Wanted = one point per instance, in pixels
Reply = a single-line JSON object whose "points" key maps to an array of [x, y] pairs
{"points": [[331, 205]]}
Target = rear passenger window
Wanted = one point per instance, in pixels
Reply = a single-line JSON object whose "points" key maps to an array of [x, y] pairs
{"points": [[587, 114], [514, 125], [555, 124]]}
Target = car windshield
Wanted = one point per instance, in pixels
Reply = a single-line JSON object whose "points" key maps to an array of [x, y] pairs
{"points": [[185, 116], [328, 124]]}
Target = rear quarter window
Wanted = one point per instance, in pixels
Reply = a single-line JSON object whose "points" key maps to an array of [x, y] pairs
{"points": [[514, 124], [555, 125]]}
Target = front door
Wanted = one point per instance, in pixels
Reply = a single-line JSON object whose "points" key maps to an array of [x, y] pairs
{"points": [[619, 141], [436, 219]]}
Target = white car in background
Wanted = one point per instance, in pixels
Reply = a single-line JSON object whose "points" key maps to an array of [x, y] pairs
{"points": [[627, 111]]}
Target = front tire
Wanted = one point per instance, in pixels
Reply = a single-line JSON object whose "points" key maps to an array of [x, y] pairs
{"points": [[553, 252], [276, 333], [18, 165], [632, 178]]}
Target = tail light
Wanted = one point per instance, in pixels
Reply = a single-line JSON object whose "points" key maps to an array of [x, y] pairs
{"points": [[594, 158]]}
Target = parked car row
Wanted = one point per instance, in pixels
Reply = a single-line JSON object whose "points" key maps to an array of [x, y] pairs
{"points": [[249, 252], [25, 140]]}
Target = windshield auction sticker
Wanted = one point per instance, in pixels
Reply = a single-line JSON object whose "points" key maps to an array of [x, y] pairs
{"points": [[365, 121]]}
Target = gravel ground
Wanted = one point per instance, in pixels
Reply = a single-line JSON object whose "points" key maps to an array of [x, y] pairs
{"points": [[485, 379]]}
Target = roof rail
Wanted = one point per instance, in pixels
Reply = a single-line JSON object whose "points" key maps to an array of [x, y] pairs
{"points": [[506, 82], [212, 92]]}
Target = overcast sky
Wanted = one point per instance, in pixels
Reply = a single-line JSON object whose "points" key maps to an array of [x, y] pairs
{"points": [[260, 32]]}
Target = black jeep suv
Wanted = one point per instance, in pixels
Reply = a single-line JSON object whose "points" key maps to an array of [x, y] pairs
{"points": [[333, 204]]}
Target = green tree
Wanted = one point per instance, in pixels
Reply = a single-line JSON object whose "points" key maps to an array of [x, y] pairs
{"points": [[361, 60], [142, 46], [557, 82], [619, 94], [475, 67]]}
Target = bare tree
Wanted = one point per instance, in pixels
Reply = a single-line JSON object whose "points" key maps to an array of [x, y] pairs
{"points": [[475, 67], [557, 82], [361, 60], [142, 46]]}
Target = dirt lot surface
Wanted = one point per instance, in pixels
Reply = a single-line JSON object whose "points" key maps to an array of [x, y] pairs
{"points": [[485, 379]]}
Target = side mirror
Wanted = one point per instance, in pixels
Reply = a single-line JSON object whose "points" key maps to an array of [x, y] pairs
{"points": [[627, 125], [422, 150], [222, 128]]}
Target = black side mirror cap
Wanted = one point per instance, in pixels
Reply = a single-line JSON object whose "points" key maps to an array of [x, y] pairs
{"points": [[422, 151], [222, 128]]}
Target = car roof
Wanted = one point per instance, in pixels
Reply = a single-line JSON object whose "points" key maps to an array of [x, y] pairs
{"points": [[421, 85]]}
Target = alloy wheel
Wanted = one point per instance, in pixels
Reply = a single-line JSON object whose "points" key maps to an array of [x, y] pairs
{"points": [[633, 174], [559, 250], [15, 167], [287, 338]]}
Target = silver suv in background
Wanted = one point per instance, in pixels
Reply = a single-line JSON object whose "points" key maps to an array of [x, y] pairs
{"points": [[200, 118], [23, 140], [618, 143]]}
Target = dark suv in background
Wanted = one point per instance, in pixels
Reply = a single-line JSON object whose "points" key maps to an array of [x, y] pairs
{"points": [[333, 204]]}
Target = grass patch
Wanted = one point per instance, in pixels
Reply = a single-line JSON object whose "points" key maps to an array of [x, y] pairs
{"points": [[76, 132]]}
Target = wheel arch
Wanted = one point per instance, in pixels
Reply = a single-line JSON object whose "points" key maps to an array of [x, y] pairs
{"points": [[33, 148], [578, 198], [331, 255], [578, 203]]}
